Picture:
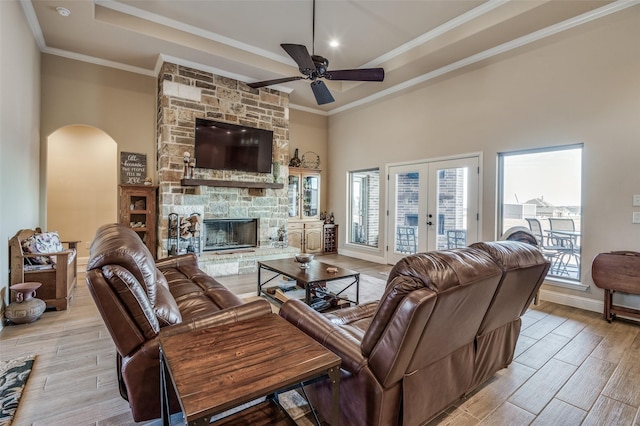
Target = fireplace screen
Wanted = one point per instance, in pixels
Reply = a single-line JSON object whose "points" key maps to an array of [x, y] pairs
{"points": [[227, 234]]}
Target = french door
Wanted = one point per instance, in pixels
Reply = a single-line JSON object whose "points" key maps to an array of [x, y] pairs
{"points": [[432, 206]]}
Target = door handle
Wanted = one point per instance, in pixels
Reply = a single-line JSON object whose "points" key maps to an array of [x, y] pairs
{"points": [[429, 223]]}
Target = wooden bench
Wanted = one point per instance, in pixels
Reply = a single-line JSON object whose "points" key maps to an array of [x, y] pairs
{"points": [[58, 278], [617, 271]]}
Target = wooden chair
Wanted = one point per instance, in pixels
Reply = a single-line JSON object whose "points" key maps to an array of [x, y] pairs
{"points": [[58, 280]]}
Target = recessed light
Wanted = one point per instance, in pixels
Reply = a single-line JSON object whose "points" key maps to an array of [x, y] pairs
{"points": [[334, 43], [63, 11]]}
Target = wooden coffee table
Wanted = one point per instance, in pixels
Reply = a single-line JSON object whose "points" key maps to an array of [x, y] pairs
{"points": [[312, 279], [215, 369]]}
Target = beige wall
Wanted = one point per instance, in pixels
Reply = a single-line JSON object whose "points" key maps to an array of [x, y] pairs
{"points": [[19, 131], [119, 103], [82, 179], [581, 86], [308, 132]]}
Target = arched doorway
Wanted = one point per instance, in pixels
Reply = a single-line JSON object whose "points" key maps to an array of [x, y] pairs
{"points": [[82, 183]]}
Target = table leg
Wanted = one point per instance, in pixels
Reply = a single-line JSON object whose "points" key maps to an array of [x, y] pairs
{"points": [[307, 291], [358, 289], [608, 301], [259, 280], [334, 376], [164, 393]]}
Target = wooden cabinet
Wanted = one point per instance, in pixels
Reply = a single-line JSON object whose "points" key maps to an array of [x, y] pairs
{"points": [[307, 236], [138, 211], [330, 238]]}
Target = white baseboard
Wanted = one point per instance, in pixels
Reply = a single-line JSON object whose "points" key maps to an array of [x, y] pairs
{"points": [[363, 256], [572, 300]]}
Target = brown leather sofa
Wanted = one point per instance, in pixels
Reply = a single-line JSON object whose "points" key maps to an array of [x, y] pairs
{"points": [[139, 299], [447, 321]]}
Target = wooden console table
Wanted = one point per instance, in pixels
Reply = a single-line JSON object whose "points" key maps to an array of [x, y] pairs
{"points": [[215, 369]]}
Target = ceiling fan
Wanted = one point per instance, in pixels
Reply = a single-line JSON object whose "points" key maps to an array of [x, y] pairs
{"points": [[314, 67]]}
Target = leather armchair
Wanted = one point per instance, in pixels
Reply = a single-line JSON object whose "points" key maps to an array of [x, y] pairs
{"points": [[138, 299]]}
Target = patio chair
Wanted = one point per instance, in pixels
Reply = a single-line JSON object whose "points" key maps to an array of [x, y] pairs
{"points": [[456, 238], [406, 242], [562, 232], [554, 253]]}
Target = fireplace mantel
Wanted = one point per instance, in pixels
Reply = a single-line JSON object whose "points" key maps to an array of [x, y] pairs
{"points": [[230, 183]]}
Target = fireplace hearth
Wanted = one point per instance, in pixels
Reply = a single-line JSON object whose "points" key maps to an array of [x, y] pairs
{"points": [[230, 234]]}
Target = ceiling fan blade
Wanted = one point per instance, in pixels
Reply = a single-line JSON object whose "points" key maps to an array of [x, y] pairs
{"points": [[321, 92], [364, 74], [258, 84], [300, 54]]}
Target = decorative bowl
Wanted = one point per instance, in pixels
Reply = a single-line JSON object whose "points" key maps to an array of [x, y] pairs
{"points": [[304, 259]]}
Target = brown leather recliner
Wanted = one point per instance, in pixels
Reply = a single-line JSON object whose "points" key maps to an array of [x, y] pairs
{"points": [[409, 356], [138, 299], [524, 269]]}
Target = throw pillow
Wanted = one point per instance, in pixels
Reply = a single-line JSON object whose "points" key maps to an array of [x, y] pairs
{"points": [[29, 246], [48, 242]]}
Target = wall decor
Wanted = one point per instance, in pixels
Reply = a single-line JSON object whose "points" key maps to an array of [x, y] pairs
{"points": [[310, 160], [133, 168]]}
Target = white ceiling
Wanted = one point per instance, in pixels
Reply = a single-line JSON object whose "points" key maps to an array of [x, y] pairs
{"points": [[414, 41]]}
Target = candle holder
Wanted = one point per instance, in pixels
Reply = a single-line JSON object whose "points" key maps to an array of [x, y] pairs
{"points": [[187, 170]]}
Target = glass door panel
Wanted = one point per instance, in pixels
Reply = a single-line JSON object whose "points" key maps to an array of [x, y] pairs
{"points": [[292, 195], [453, 207], [310, 196], [407, 207]]}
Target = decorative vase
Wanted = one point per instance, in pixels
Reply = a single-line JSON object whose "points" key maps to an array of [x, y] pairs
{"points": [[295, 161], [275, 170], [26, 307]]}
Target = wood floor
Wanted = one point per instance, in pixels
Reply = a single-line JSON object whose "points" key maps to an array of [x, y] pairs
{"points": [[571, 368]]}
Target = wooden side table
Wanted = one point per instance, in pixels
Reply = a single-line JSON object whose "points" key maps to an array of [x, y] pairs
{"points": [[215, 369]]}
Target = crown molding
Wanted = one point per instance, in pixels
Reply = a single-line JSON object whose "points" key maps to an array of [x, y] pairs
{"points": [[308, 109]]}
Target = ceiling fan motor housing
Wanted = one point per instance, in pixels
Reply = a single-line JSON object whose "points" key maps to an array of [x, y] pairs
{"points": [[321, 64]]}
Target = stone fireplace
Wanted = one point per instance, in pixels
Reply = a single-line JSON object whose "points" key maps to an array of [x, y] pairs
{"points": [[229, 234], [185, 94]]}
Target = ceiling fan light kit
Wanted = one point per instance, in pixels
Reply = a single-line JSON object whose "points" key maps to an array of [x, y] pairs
{"points": [[313, 67]]}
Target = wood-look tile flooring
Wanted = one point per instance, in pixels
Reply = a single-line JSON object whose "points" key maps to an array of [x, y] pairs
{"points": [[571, 368]]}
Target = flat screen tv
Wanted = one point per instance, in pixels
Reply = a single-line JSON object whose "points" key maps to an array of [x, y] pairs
{"points": [[224, 146]]}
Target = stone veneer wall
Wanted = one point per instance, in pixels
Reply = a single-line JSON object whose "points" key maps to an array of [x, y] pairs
{"points": [[185, 93]]}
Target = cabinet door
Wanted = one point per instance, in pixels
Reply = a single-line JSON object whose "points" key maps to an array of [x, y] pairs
{"points": [[293, 194], [313, 239], [295, 234], [310, 196]]}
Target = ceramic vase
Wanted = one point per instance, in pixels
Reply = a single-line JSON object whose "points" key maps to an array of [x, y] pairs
{"points": [[295, 161], [26, 308]]}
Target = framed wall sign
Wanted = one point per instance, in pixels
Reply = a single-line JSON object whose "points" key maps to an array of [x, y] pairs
{"points": [[133, 168]]}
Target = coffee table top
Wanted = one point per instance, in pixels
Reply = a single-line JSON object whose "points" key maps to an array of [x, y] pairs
{"points": [[316, 271], [218, 368]]}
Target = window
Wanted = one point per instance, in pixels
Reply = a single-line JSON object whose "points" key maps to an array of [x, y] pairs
{"points": [[364, 208], [541, 190]]}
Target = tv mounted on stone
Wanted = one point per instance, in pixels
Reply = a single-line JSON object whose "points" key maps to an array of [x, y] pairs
{"points": [[225, 146]]}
